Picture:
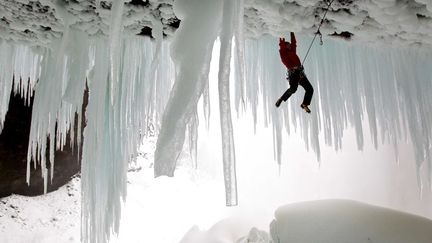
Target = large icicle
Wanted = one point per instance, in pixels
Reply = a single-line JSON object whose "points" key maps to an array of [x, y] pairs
{"points": [[48, 108], [226, 36], [197, 33], [107, 144], [20, 64], [97, 191], [239, 57], [114, 131], [6, 78], [115, 39], [58, 96]]}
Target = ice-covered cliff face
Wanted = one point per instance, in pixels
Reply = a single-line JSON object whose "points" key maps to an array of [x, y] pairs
{"points": [[38, 22], [129, 78], [405, 22]]}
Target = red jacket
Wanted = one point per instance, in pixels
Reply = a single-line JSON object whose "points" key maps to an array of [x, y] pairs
{"points": [[288, 55]]}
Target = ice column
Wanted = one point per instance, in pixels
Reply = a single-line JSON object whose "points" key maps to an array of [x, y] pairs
{"points": [[239, 58], [228, 150], [197, 33], [108, 144]]}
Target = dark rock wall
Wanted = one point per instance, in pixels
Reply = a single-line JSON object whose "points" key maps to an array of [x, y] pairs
{"points": [[13, 156]]}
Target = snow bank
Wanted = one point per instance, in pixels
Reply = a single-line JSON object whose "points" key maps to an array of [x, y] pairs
{"points": [[347, 221]]}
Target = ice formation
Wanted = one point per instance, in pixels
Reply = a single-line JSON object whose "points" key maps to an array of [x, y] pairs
{"points": [[129, 82], [386, 21], [113, 129], [387, 86], [197, 34]]}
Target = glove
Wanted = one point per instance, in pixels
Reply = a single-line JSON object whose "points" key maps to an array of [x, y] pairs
{"points": [[282, 43]]}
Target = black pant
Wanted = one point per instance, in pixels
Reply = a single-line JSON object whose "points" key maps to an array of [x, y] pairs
{"points": [[295, 78]]}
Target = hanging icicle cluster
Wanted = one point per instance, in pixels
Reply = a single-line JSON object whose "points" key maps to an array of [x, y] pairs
{"points": [[113, 130], [129, 82], [389, 87]]}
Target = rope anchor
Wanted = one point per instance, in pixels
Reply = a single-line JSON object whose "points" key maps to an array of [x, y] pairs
{"points": [[318, 31], [320, 36]]}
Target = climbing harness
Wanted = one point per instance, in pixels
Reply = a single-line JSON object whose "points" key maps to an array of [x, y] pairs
{"points": [[318, 32]]}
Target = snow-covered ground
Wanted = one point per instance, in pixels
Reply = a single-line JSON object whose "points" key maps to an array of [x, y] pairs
{"points": [[54, 217], [189, 208]]}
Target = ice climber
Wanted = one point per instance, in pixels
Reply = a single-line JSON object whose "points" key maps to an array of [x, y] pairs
{"points": [[295, 74]]}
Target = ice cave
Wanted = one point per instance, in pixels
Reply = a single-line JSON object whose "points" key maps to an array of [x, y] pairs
{"points": [[163, 121]]}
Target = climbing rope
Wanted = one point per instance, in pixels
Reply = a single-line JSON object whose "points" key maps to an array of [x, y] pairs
{"points": [[318, 32]]}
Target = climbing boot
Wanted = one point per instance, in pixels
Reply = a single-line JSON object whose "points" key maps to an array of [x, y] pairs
{"points": [[305, 108], [278, 102]]}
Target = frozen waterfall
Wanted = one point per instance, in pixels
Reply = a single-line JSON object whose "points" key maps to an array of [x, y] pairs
{"points": [[130, 85]]}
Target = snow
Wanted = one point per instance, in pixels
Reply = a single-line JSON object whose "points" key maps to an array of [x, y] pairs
{"points": [[347, 221], [53, 217]]}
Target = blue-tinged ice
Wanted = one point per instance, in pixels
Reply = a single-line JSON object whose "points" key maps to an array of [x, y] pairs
{"points": [[197, 34]]}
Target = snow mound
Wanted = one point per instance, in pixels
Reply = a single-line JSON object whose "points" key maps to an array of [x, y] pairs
{"points": [[347, 221], [228, 230]]}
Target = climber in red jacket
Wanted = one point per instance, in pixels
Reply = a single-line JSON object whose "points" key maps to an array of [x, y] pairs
{"points": [[296, 73]]}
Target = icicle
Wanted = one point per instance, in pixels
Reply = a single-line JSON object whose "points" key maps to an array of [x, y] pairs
{"points": [[206, 106], [20, 64], [58, 95], [46, 108], [193, 139], [97, 154], [114, 129], [116, 29], [197, 33], [239, 58], [6, 77], [251, 70], [110, 137], [157, 33], [228, 150]]}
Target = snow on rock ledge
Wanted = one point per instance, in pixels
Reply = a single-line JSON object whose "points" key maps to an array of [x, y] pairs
{"points": [[347, 221], [375, 21], [38, 22]]}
